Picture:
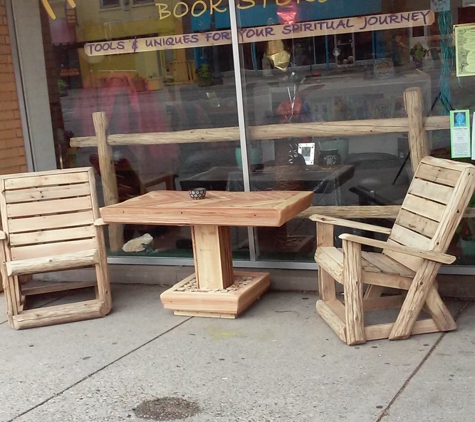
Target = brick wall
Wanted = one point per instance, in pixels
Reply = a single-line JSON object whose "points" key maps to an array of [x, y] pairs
{"points": [[12, 151]]}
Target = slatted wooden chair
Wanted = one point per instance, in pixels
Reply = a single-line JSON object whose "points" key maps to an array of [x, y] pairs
{"points": [[410, 258], [50, 223]]}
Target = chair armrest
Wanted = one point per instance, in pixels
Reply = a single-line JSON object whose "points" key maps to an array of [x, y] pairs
{"points": [[430, 255], [3, 235], [100, 222], [348, 223]]}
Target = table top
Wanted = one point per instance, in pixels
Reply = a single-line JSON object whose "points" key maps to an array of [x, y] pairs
{"points": [[176, 208]]}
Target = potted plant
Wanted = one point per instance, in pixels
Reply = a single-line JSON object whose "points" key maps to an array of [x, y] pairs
{"points": [[62, 88], [204, 75]]}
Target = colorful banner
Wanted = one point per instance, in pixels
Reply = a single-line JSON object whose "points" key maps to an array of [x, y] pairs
{"points": [[264, 33]]}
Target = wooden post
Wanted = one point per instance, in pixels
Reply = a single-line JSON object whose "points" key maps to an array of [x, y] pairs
{"points": [[418, 144], [108, 177], [212, 253], [326, 284], [354, 313]]}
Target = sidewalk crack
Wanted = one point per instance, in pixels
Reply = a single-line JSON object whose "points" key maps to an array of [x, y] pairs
{"points": [[385, 412], [99, 370]]}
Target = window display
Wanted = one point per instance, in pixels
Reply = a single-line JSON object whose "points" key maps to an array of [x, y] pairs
{"points": [[163, 74]]}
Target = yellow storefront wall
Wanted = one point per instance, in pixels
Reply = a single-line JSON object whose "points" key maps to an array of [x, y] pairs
{"points": [[96, 24]]}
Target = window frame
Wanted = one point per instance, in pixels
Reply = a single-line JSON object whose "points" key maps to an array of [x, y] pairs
{"points": [[102, 6]]}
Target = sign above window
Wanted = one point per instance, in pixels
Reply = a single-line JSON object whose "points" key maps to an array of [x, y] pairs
{"points": [[265, 33]]}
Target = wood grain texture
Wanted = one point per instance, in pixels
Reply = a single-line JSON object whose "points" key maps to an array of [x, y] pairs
{"points": [[335, 322], [45, 178], [261, 209], [216, 304], [431, 191], [48, 192], [59, 314], [349, 223], [437, 310], [52, 263], [108, 177], [382, 331], [417, 223], [51, 227], [56, 287], [418, 145], [212, 256], [326, 283], [353, 284], [46, 222], [423, 207], [267, 132], [389, 212], [431, 255], [439, 175], [331, 264]]}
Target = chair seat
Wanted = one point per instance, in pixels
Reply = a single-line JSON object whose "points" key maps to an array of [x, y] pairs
{"points": [[331, 260]]}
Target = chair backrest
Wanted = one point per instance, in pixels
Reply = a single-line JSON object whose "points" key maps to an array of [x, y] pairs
{"points": [[48, 213], [433, 207]]}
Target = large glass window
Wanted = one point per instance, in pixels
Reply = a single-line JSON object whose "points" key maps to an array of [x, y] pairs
{"points": [[167, 88], [355, 64], [167, 66]]}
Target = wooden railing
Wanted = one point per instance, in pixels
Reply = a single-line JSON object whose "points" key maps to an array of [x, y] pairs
{"points": [[415, 124]]}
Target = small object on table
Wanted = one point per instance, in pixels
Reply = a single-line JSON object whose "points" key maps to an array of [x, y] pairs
{"points": [[197, 193]]}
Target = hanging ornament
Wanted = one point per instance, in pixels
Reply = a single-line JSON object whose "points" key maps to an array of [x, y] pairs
{"points": [[288, 14], [277, 54]]}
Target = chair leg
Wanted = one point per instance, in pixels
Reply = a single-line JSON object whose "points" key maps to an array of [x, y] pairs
{"points": [[415, 299], [326, 285], [353, 285], [103, 290], [436, 308], [10, 296]]}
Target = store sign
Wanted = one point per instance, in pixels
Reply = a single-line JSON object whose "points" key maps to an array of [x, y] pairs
{"points": [[265, 33], [199, 7]]}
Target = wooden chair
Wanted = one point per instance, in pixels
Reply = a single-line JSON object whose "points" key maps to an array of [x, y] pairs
{"points": [[410, 258], [51, 222]]}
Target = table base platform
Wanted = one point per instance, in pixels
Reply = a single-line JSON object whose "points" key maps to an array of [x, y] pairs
{"points": [[186, 299]]}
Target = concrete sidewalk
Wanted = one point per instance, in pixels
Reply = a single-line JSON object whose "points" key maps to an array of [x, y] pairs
{"points": [[278, 362]]}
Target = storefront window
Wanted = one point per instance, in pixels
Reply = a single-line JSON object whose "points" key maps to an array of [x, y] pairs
{"points": [[167, 66], [158, 91]]}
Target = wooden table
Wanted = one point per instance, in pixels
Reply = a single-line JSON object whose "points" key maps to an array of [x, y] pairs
{"points": [[214, 290]]}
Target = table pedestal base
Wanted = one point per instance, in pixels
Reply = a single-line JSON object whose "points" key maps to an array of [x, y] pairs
{"points": [[186, 299]]}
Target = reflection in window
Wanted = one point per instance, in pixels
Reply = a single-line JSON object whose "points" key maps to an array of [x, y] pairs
{"points": [[109, 3]]}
